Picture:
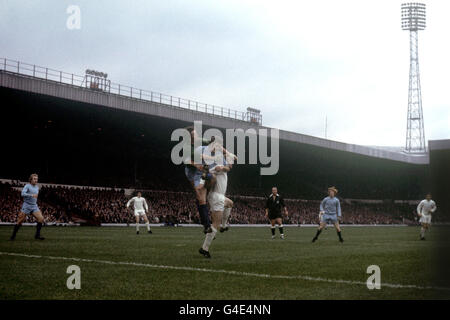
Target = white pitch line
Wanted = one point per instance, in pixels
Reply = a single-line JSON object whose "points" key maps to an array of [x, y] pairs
{"points": [[230, 272]]}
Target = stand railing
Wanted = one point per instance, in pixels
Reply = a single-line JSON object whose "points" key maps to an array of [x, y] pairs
{"points": [[123, 90]]}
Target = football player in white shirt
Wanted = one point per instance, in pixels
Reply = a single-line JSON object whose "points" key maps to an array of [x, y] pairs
{"points": [[424, 210], [140, 210], [219, 204]]}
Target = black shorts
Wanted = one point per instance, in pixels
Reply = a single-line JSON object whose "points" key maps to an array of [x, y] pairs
{"points": [[273, 216]]}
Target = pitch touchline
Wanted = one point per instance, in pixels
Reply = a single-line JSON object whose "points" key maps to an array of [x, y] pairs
{"points": [[231, 272]]}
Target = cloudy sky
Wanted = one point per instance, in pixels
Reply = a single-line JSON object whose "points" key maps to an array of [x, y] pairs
{"points": [[297, 61]]}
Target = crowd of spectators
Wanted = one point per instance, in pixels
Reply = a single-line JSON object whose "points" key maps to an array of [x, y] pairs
{"points": [[251, 210], [105, 205], [11, 203]]}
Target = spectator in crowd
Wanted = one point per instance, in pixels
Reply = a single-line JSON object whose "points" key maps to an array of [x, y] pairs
{"points": [[61, 204]]}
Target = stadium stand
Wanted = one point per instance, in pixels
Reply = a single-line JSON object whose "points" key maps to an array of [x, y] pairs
{"points": [[11, 202], [62, 204], [79, 143]]}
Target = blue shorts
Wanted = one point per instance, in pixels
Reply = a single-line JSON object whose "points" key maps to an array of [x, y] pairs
{"points": [[329, 218], [194, 175], [29, 208]]}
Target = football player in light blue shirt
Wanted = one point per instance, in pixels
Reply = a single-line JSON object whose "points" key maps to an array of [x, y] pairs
{"points": [[30, 195], [330, 212]]}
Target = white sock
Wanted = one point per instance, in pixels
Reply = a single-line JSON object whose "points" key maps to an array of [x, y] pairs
{"points": [[137, 226], [422, 232], [209, 238], [148, 226], [225, 216]]}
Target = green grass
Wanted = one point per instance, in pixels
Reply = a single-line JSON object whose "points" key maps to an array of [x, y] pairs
{"points": [[403, 260]]}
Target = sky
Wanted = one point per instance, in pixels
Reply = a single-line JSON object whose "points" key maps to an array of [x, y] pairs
{"points": [[299, 62]]}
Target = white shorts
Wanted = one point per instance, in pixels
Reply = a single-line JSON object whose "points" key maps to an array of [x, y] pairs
{"points": [[138, 213], [216, 201], [425, 218]]}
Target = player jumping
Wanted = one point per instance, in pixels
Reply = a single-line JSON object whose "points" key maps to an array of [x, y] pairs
{"points": [[139, 204], [219, 204], [424, 210], [330, 212], [30, 195], [195, 173]]}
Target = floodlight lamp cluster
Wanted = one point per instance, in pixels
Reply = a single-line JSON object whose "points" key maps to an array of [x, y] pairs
{"points": [[96, 73], [413, 16], [253, 110]]}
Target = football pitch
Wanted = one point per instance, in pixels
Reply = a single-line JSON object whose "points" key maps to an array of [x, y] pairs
{"points": [[246, 263]]}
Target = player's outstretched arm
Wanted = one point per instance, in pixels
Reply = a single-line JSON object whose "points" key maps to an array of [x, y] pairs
{"points": [[433, 208], [25, 193], [339, 209], [129, 202], [419, 208], [321, 206], [225, 168], [227, 153]]}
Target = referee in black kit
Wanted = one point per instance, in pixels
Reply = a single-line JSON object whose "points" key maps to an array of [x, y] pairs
{"points": [[273, 211]]}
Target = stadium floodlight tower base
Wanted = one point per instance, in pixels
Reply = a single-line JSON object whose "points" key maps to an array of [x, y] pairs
{"points": [[413, 19]]}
